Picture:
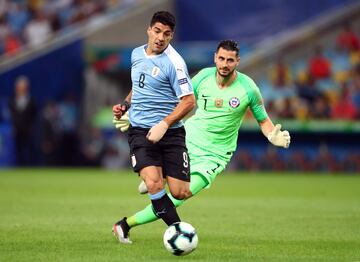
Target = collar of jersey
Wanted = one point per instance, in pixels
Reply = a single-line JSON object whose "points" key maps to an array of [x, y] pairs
{"points": [[153, 56]]}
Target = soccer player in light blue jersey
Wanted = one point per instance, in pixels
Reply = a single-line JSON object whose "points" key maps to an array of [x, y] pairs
{"points": [[223, 97], [161, 96]]}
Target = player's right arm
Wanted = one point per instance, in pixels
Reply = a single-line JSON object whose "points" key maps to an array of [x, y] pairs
{"points": [[120, 109], [181, 84]]}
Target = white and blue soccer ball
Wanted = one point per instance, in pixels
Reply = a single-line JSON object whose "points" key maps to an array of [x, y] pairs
{"points": [[180, 238]]}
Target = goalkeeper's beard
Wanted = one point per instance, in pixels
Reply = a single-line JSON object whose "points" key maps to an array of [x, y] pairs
{"points": [[225, 75]]}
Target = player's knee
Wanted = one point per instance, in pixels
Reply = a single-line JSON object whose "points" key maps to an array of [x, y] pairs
{"points": [[181, 193], [154, 186], [178, 195], [187, 193]]}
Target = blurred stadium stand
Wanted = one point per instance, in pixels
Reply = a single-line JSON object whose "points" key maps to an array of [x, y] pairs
{"points": [[88, 59]]}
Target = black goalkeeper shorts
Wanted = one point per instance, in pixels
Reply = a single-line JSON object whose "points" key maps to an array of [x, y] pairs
{"points": [[170, 152]]}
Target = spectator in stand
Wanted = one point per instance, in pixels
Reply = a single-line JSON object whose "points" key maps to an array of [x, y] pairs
{"points": [[50, 134], [351, 162], [93, 148], [11, 44], [319, 65], [299, 161], [18, 17], [23, 115], [280, 75], [325, 160], [85, 9], [33, 22], [284, 108], [117, 152], [38, 30], [69, 120], [305, 87], [243, 160], [344, 107], [347, 40], [301, 109], [271, 161], [321, 108]]}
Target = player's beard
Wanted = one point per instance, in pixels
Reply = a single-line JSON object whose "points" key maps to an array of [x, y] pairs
{"points": [[227, 74]]}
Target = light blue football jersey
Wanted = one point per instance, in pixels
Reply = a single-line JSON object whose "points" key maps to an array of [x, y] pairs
{"points": [[158, 83]]}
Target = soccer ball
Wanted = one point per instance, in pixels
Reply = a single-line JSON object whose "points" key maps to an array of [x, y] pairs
{"points": [[180, 238]]}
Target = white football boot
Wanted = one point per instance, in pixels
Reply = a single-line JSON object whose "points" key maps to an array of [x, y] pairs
{"points": [[121, 231]]}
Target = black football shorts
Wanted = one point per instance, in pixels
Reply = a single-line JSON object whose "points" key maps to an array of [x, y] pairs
{"points": [[170, 152]]}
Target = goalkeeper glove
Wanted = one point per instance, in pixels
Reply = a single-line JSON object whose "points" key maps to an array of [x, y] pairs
{"points": [[157, 132], [278, 137], [123, 123]]}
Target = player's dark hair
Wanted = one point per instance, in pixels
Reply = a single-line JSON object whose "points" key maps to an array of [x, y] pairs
{"points": [[164, 17], [229, 45]]}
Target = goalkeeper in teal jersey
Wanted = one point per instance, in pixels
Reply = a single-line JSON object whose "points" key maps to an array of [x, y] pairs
{"points": [[223, 96]]}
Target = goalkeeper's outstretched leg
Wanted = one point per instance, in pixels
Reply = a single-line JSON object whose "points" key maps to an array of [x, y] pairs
{"points": [[148, 215]]}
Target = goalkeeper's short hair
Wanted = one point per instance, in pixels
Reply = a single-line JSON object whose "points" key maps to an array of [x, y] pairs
{"points": [[229, 45]]}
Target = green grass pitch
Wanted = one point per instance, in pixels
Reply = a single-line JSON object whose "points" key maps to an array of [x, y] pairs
{"points": [[67, 215]]}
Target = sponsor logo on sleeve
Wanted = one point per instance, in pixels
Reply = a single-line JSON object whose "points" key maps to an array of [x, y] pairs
{"points": [[183, 81]]}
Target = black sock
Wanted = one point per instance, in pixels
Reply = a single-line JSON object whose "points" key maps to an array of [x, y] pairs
{"points": [[165, 209]]}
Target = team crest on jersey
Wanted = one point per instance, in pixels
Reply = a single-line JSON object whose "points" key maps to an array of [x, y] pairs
{"points": [[155, 71], [234, 102]]}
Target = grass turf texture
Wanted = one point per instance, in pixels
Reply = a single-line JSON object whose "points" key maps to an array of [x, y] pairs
{"points": [[67, 215]]}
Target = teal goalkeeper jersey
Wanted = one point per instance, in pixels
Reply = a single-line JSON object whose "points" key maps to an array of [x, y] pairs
{"points": [[220, 112]]}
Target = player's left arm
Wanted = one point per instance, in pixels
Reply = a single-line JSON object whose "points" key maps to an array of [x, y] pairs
{"points": [[181, 84], [272, 132], [186, 104]]}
